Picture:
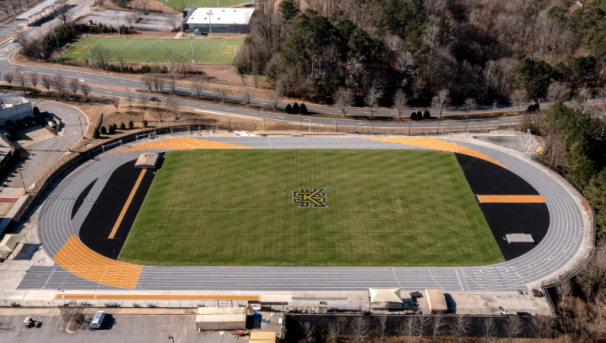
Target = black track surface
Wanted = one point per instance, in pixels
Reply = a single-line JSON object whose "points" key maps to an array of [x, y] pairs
{"points": [[487, 178], [516, 218], [81, 198], [106, 210]]}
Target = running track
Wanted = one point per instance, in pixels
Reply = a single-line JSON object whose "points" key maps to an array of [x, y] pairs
{"points": [[562, 242]]}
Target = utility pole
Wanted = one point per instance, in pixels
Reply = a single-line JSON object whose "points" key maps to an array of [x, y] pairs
{"points": [[58, 47], [81, 131], [87, 35], [210, 23], [193, 57], [118, 21]]}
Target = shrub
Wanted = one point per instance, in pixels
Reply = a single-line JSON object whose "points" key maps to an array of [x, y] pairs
{"points": [[303, 109], [413, 116], [96, 133], [112, 129], [103, 130], [122, 126], [288, 109], [295, 108], [426, 115], [533, 107], [144, 123], [164, 69], [130, 124], [145, 69]]}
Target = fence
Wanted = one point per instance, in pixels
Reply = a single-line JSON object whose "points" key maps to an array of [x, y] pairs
{"points": [[151, 303]]}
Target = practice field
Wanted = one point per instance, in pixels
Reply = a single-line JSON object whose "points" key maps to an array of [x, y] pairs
{"points": [[156, 50], [178, 4], [382, 208]]}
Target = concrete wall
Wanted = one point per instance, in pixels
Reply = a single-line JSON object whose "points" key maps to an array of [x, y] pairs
{"points": [[20, 108], [219, 28]]}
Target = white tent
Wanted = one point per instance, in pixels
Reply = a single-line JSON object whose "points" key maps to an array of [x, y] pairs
{"points": [[9, 242], [385, 295]]}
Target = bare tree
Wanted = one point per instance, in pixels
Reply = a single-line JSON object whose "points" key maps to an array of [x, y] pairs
{"points": [[131, 18], [115, 101], [62, 12], [460, 327], [85, 89], [248, 93], [518, 97], [277, 95], [409, 328], [439, 325], [34, 79], [173, 105], [160, 82], [60, 85], [47, 82], [121, 59], [359, 329], [171, 80], [174, 21], [441, 101], [373, 97], [543, 326], [74, 85], [469, 104], [557, 91], [148, 82], [335, 329], [513, 327], [400, 101], [488, 328], [129, 97], [20, 80], [382, 329], [143, 99], [199, 83], [9, 77], [222, 90], [101, 55], [255, 75], [344, 99], [309, 330], [583, 101]]}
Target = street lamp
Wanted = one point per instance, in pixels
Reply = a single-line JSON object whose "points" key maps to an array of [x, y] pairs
{"points": [[81, 131], [88, 46], [21, 175], [58, 47], [210, 24], [171, 337], [118, 21], [193, 57]]}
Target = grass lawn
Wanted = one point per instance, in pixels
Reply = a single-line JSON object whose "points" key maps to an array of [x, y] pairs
{"points": [[384, 208], [176, 4], [156, 50]]}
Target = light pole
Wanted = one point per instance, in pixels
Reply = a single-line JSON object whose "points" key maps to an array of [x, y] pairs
{"points": [[210, 23], [171, 337], [21, 175], [88, 46], [58, 47], [118, 21], [81, 131], [193, 57]]}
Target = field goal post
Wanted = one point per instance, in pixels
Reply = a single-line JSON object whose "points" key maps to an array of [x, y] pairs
{"points": [[111, 145], [149, 135], [180, 129]]}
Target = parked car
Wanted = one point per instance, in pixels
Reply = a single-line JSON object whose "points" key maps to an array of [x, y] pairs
{"points": [[153, 98], [97, 320], [14, 40]]}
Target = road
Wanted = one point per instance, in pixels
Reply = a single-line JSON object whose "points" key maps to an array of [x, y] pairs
{"points": [[43, 154]]}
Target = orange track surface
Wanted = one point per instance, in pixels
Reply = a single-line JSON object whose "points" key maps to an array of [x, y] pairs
{"points": [[154, 297], [183, 144], [511, 198], [78, 259], [437, 144], [125, 208]]}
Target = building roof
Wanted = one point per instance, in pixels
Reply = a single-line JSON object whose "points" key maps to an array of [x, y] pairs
{"points": [[221, 310], [262, 335], [385, 295], [220, 318], [436, 300], [38, 9], [147, 160], [9, 242], [220, 16]]}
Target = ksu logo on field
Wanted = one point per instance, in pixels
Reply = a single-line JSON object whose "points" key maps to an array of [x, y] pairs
{"points": [[306, 197]]}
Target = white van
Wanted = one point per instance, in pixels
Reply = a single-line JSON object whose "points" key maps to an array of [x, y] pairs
{"points": [[97, 320]]}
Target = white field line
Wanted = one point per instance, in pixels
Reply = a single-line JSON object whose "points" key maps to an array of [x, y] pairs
{"points": [[220, 50], [130, 41], [86, 53], [199, 46], [154, 50]]}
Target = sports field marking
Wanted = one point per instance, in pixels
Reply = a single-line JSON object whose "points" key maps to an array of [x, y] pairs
{"points": [[128, 201], [86, 50], [218, 52], [156, 48], [511, 199], [116, 55]]}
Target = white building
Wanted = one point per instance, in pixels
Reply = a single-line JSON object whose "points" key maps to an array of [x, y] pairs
{"points": [[14, 108], [220, 20]]}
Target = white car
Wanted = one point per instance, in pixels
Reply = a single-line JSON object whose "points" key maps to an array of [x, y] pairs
{"points": [[97, 320], [14, 40]]}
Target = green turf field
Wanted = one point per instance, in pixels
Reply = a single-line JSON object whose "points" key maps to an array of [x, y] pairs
{"points": [[156, 50], [384, 208], [178, 4]]}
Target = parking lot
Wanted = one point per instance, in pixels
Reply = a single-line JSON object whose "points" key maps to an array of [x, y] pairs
{"points": [[115, 329]]}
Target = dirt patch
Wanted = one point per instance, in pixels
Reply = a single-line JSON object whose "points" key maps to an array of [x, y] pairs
{"points": [[74, 323], [151, 6]]}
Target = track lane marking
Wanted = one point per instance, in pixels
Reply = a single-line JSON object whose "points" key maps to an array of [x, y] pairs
{"points": [[128, 201]]}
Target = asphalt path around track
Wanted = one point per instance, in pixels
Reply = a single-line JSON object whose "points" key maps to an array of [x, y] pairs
{"points": [[560, 245]]}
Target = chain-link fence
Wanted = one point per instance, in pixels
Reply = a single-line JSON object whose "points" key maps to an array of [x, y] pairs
{"points": [[124, 303]]}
